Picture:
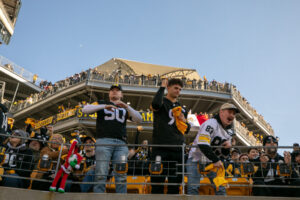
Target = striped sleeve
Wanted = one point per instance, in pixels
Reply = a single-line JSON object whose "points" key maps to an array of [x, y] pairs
{"points": [[205, 133]]}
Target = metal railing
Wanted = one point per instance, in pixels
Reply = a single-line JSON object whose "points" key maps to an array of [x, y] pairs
{"points": [[105, 78], [140, 174], [257, 118], [245, 133], [20, 71]]}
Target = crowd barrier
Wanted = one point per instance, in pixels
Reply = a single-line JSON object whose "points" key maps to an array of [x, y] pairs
{"points": [[37, 171]]}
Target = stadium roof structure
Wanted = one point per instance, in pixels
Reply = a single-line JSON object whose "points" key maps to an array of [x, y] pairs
{"points": [[140, 68], [9, 10]]}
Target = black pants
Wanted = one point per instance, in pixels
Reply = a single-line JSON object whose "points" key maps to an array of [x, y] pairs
{"points": [[294, 192], [275, 191], [170, 160]]}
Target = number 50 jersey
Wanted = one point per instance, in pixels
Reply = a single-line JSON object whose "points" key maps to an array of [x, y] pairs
{"points": [[111, 123], [211, 133]]}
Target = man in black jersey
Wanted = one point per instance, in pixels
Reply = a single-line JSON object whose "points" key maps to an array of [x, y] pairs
{"points": [[111, 129], [167, 131]]}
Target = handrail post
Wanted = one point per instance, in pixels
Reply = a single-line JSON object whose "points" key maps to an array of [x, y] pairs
{"points": [[88, 76], [183, 186], [59, 157]]}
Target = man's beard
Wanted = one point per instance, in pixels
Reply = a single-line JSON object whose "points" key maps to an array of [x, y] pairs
{"points": [[115, 98], [272, 150]]}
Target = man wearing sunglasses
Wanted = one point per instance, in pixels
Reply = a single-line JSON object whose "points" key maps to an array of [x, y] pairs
{"points": [[268, 173]]}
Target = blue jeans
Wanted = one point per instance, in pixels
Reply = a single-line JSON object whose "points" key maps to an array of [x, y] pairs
{"points": [[89, 177], [13, 182], [194, 178], [105, 154], [222, 189]]}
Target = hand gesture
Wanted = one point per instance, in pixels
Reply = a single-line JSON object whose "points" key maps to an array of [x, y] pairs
{"points": [[121, 104], [110, 107], [218, 164], [164, 83], [182, 118], [287, 157]]}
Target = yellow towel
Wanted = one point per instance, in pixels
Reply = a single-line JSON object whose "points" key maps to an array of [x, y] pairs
{"points": [[181, 126], [229, 170], [1, 173], [220, 178]]}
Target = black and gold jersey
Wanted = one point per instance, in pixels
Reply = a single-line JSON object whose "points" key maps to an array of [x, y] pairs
{"points": [[111, 123], [165, 130]]}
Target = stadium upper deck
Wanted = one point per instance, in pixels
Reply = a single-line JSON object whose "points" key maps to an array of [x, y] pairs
{"points": [[9, 10], [17, 82], [140, 82]]}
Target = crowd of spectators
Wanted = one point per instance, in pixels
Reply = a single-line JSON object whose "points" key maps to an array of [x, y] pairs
{"points": [[24, 157], [50, 88], [37, 154], [155, 80], [245, 103]]}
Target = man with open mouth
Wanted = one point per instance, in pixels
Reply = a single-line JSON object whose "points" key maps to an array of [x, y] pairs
{"points": [[212, 133]]}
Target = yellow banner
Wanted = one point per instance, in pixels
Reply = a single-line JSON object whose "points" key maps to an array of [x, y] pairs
{"points": [[77, 112], [80, 114], [44, 122], [66, 114], [147, 116]]}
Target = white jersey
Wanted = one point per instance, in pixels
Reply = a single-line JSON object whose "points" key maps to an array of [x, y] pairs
{"points": [[211, 133]]}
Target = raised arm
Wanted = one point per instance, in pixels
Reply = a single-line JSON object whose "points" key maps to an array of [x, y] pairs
{"points": [[158, 98], [92, 108]]}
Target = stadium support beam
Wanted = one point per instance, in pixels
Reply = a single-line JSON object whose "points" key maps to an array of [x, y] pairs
{"points": [[13, 100], [93, 96], [196, 104], [210, 105], [11, 92], [138, 103], [214, 110]]}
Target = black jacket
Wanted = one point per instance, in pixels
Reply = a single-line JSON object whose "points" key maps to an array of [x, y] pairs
{"points": [[20, 160], [262, 173], [164, 125]]}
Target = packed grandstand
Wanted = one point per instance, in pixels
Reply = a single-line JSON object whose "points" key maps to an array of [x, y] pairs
{"points": [[41, 120]]}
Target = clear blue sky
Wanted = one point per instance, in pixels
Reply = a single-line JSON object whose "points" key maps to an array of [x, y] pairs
{"points": [[254, 44]]}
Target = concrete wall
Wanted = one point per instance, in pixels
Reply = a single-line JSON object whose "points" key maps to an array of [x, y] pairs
{"points": [[24, 194]]}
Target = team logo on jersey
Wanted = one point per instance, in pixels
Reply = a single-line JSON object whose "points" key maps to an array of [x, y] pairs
{"points": [[230, 132]]}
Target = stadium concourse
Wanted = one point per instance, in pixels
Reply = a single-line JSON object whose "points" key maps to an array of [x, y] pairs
{"points": [[40, 119]]}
